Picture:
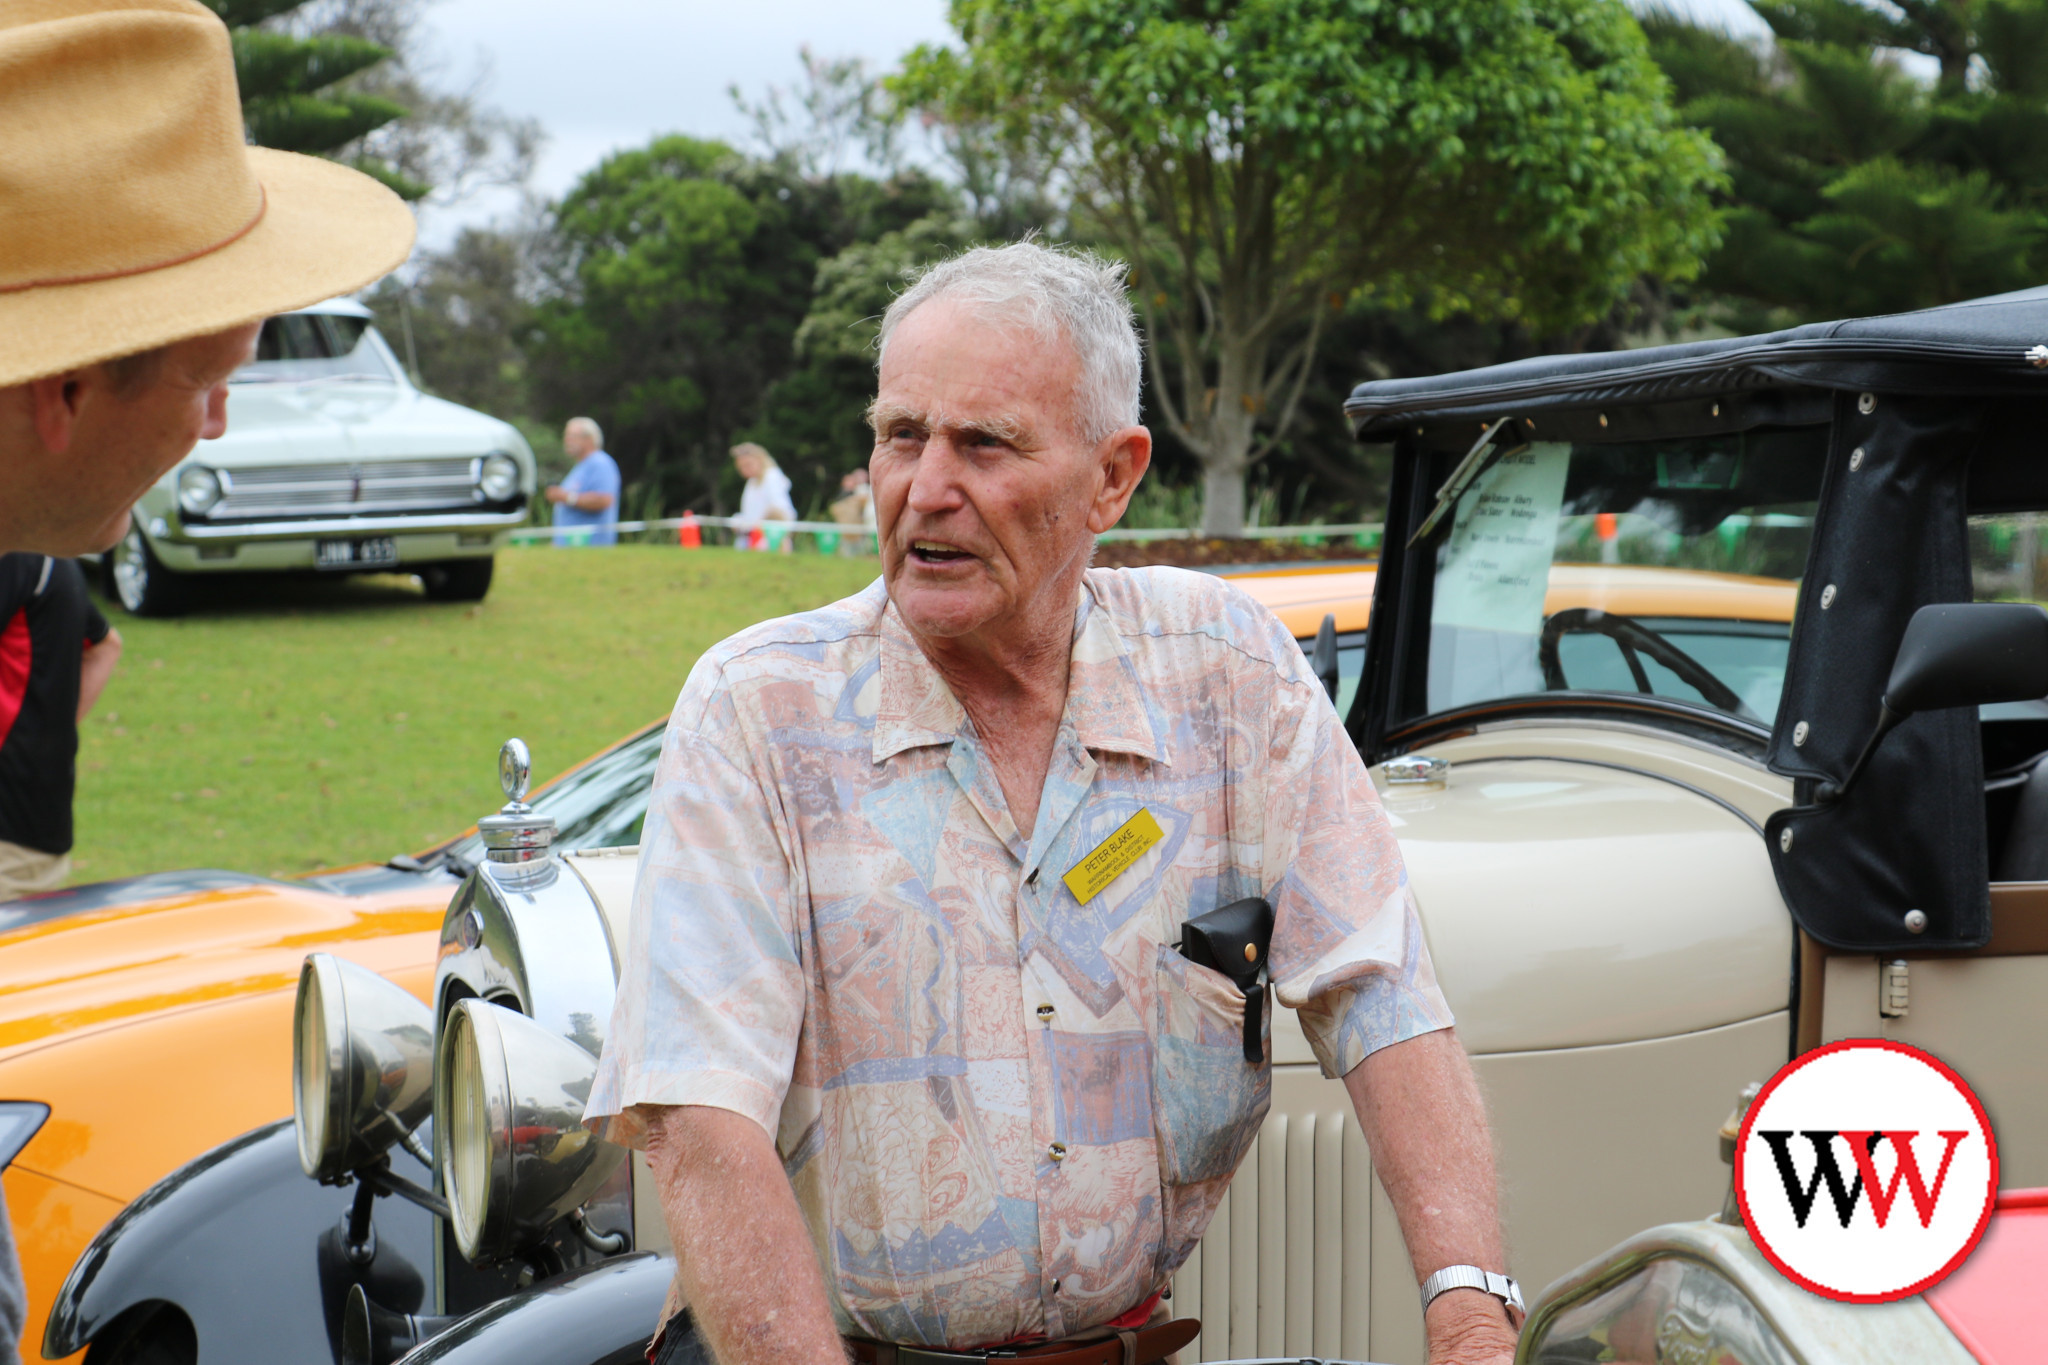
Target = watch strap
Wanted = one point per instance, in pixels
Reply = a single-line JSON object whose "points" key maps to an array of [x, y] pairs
{"points": [[1451, 1277]]}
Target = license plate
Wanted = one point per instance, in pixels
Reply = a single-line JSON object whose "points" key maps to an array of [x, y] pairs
{"points": [[355, 554]]}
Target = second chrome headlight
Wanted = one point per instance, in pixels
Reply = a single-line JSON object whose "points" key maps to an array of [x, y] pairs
{"points": [[362, 1065], [508, 1125], [497, 477], [199, 488]]}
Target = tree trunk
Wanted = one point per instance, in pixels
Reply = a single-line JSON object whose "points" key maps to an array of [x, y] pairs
{"points": [[1222, 498]]}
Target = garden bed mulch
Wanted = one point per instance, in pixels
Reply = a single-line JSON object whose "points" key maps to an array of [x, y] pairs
{"points": [[1220, 553]]}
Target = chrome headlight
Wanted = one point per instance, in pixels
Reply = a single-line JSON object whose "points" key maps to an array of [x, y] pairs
{"points": [[199, 488], [1670, 1309], [362, 1065], [497, 477], [513, 1154]]}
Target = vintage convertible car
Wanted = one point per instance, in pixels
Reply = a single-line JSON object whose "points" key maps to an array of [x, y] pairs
{"points": [[1660, 843], [332, 462]]}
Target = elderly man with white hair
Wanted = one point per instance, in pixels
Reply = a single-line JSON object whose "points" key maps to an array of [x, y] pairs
{"points": [[587, 502], [910, 1026]]}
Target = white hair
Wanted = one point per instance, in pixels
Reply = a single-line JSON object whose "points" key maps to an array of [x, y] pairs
{"points": [[589, 428], [1058, 295]]}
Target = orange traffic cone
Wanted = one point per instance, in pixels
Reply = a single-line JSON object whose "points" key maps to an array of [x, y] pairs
{"points": [[689, 535]]}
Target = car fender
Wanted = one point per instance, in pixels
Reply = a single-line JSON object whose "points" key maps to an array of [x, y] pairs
{"points": [[603, 1314], [249, 1250]]}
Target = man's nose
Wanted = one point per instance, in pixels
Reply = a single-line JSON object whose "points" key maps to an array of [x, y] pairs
{"points": [[216, 424], [936, 485]]}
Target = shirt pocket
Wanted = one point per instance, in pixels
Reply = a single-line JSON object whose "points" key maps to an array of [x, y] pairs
{"points": [[1207, 1100]]}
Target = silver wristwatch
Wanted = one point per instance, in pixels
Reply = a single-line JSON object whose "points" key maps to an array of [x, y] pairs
{"points": [[1472, 1277]]}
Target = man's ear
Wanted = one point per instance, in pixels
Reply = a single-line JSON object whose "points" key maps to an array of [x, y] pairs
{"points": [[1125, 456], [57, 400]]}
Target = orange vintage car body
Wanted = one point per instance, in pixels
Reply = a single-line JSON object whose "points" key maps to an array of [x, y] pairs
{"points": [[157, 1030], [1301, 597]]}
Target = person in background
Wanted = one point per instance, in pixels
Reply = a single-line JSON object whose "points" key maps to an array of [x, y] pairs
{"points": [[855, 506], [589, 497], [766, 497], [56, 654]]}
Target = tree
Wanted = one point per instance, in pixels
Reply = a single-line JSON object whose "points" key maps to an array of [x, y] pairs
{"points": [[1260, 163], [288, 84], [348, 79], [683, 272], [1859, 184]]}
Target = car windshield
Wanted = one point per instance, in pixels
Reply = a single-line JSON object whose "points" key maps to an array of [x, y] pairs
{"points": [[1667, 568], [600, 805], [308, 346]]}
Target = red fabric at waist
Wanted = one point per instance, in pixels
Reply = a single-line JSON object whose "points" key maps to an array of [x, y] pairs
{"points": [[1137, 1317]]}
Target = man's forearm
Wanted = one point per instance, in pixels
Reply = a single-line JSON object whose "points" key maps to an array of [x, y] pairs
{"points": [[1419, 1106], [95, 669], [747, 1267]]}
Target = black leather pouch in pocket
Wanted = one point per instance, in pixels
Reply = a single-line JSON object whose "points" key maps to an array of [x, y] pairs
{"points": [[1234, 939]]}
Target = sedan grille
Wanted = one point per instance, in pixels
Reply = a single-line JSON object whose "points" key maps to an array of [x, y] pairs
{"points": [[382, 487]]}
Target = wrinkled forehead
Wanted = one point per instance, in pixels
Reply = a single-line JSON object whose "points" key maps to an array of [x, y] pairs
{"points": [[887, 412], [959, 364]]}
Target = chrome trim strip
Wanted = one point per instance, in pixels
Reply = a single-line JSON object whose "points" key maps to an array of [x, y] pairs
{"points": [[348, 526]]}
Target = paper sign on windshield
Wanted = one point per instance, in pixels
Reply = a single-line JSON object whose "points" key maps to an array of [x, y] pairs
{"points": [[1496, 564]]}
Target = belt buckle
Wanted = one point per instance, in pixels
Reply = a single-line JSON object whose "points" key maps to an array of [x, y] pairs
{"points": [[918, 1355]]}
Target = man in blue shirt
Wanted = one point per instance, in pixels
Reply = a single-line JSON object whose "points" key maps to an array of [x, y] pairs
{"points": [[589, 497]]}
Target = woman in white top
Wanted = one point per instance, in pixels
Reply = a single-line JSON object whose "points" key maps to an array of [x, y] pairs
{"points": [[766, 497]]}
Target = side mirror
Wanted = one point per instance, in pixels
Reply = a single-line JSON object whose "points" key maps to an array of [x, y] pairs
{"points": [[1322, 660], [1969, 654], [1958, 654]]}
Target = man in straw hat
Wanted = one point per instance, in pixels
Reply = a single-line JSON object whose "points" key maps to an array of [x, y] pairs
{"points": [[142, 243]]}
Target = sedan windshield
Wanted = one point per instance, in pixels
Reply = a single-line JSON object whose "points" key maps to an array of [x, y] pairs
{"points": [[313, 346], [1665, 568]]}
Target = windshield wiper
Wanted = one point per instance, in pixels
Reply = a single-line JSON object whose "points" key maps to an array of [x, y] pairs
{"points": [[451, 862], [1486, 452]]}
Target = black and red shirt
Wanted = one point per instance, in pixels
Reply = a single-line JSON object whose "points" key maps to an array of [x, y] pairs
{"points": [[47, 622]]}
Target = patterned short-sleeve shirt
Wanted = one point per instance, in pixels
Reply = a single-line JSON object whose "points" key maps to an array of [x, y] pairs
{"points": [[1004, 1112]]}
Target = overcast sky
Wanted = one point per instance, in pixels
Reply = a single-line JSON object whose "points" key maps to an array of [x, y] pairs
{"points": [[608, 74]]}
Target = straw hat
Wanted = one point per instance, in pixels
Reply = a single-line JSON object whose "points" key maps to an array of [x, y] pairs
{"points": [[132, 214]]}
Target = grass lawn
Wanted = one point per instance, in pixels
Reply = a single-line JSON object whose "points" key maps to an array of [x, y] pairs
{"points": [[297, 724]]}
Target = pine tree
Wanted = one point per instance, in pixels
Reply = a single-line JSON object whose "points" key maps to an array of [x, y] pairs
{"points": [[1864, 180], [289, 99]]}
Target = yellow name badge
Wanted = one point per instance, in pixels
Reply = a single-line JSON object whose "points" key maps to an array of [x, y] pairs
{"points": [[1113, 855]]}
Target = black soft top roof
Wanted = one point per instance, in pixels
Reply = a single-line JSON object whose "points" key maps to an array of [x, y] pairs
{"points": [[1993, 345]]}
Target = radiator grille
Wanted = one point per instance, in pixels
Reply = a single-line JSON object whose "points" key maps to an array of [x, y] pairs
{"points": [[379, 487], [1284, 1267]]}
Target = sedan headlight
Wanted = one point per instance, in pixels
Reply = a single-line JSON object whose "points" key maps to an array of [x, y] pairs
{"points": [[1669, 1310], [514, 1156], [199, 488], [497, 477], [362, 1065]]}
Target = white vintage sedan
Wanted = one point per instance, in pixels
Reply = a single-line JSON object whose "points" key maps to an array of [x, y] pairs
{"points": [[333, 462]]}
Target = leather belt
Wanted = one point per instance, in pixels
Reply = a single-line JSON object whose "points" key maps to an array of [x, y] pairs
{"points": [[1138, 1346]]}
